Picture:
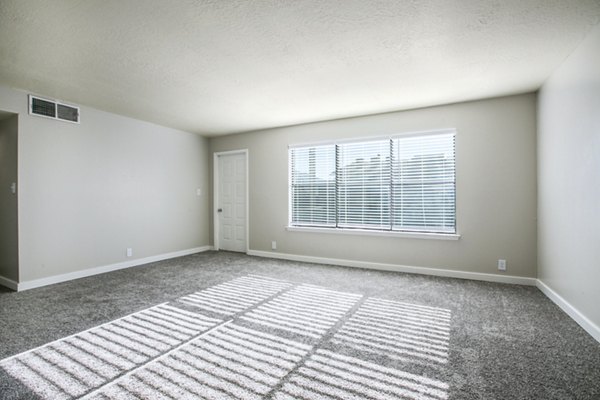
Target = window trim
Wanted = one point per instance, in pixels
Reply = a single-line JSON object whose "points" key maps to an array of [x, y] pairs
{"points": [[440, 131], [373, 232]]}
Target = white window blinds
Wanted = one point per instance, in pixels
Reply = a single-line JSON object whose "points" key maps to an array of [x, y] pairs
{"points": [[363, 184], [400, 183], [423, 184], [313, 186]]}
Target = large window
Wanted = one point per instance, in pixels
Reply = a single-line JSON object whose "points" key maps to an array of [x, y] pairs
{"points": [[399, 183]]}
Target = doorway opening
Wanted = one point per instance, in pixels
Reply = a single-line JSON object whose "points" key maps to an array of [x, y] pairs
{"points": [[9, 228]]}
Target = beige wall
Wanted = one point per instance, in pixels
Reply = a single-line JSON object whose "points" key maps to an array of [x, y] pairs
{"points": [[9, 246], [496, 187], [89, 191], [569, 180]]}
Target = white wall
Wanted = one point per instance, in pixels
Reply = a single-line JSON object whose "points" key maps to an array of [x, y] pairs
{"points": [[9, 246], [89, 191], [496, 187], [569, 180]]}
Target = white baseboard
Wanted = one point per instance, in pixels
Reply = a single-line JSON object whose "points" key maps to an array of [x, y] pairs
{"points": [[519, 280], [9, 283], [105, 268], [571, 311], [582, 320]]}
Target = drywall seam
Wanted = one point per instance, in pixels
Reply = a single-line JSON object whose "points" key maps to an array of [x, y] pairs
{"points": [[520, 280], [574, 313], [106, 268]]}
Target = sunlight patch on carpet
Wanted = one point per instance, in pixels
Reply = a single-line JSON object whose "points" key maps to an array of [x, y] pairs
{"points": [[306, 310], [330, 376], [73, 366], [230, 362], [235, 296], [282, 341], [398, 330]]}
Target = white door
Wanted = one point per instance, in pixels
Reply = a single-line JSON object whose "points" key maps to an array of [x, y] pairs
{"points": [[231, 204]]}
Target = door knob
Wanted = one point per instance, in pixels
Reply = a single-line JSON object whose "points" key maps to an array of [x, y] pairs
{"points": [[220, 210]]}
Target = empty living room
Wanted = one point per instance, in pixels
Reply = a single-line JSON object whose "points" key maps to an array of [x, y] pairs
{"points": [[299, 199]]}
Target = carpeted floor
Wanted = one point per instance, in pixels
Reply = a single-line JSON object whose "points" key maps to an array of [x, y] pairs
{"points": [[225, 325]]}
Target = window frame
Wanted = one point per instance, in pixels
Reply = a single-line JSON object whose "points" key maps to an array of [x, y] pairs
{"points": [[394, 232]]}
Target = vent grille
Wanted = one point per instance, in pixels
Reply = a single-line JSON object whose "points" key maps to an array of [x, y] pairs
{"points": [[67, 113], [43, 107], [52, 109]]}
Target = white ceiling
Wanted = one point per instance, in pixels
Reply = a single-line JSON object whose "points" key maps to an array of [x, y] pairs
{"points": [[222, 66]]}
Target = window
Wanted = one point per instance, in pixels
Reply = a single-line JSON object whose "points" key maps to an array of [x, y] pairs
{"points": [[399, 184], [313, 186], [364, 174]]}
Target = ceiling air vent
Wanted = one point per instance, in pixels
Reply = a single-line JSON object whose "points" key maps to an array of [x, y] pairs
{"points": [[53, 109]]}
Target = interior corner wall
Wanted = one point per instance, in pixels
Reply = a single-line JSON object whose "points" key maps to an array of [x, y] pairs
{"points": [[496, 187], [89, 191], [569, 180], [9, 244]]}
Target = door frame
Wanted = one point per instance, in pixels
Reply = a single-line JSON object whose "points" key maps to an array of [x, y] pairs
{"points": [[216, 171]]}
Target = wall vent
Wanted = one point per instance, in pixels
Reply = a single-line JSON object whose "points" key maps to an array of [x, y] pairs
{"points": [[53, 109]]}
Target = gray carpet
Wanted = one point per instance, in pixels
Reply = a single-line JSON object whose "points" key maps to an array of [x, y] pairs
{"points": [[225, 325]]}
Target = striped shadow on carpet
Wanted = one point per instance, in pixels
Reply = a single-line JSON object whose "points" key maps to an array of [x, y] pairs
{"points": [[306, 310], [249, 338], [406, 332], [71, 367], [228, 363], [327, 375], [235, 296]]}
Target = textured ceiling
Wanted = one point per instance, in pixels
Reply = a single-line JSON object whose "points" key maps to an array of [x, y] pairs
{"points": [[221, 66]]}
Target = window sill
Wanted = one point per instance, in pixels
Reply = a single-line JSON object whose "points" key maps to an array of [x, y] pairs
{"points": [[365, 232]]}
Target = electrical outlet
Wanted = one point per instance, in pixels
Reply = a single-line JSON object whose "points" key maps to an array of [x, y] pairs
{"points": [[273, 245], [502, 265], [129, 252], [198, 192]]}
